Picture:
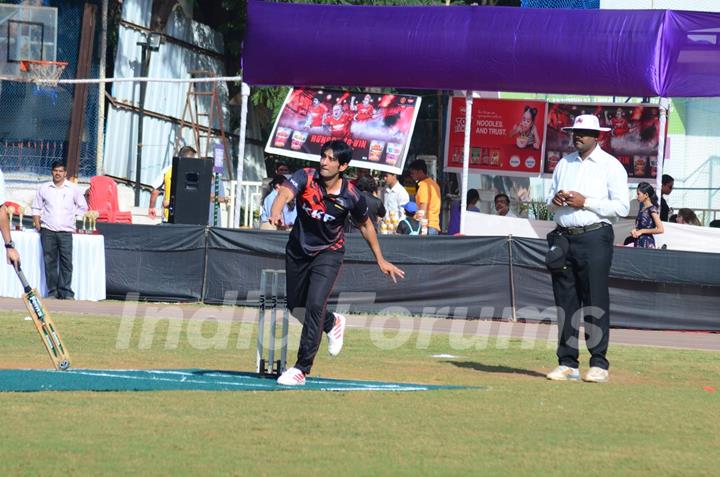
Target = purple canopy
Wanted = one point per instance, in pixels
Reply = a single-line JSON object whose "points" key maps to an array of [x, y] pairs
{"points": [[591, 52]]}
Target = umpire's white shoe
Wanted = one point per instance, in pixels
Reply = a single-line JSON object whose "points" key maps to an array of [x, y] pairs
{"points": [[335, 336], [564, 373], [292, 377], [596, 375]]}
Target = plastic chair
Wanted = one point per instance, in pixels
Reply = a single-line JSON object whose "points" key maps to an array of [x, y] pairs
{"points": [[18, 208], [103, 197]]}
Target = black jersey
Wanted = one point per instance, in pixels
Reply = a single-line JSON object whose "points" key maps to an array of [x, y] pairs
{"points": [[321, 216]]}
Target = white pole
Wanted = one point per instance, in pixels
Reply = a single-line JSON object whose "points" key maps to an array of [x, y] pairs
{"points": [[664, 106], [241, 153], [101, 91], [466, 159]]}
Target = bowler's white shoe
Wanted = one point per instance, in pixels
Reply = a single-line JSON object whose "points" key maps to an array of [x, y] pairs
{"points": [[564, 373], [596, 375], [292, 377], [335, 337]]}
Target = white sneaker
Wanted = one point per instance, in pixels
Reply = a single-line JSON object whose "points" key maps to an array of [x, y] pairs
{"points": [[335, 337], [596, 375], [564, 373], [292, 377]]}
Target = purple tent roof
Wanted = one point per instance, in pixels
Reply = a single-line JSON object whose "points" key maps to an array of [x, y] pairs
{"points": [[599, 52]]}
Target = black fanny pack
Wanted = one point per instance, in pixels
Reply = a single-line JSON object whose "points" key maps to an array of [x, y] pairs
{"points": [[556, 256]]}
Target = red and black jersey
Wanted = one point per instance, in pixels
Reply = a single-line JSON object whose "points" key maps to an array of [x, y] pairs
{"points": [[316, 114], [365, 112], [339, 127], [321, 216], [620, 126]]}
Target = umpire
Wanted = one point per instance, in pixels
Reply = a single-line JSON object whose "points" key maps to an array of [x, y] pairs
{"points": [[589, 191]]}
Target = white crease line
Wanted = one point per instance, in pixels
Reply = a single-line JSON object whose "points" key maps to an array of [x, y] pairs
{"points": [[375, 389], [350, 387], [192, 381]]}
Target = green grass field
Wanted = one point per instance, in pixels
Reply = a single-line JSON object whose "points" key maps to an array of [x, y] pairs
{"points": [[653, 418]]}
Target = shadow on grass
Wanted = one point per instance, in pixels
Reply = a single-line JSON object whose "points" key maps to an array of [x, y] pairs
{"points": [[486, 368]]}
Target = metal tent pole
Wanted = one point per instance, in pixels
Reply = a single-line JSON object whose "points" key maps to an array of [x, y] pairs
{"points": [[664, 106], [241, 153], [466, 159]]}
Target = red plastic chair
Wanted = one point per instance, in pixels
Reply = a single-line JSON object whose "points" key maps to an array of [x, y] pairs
{"points": [[103, 197], [15, 205]]}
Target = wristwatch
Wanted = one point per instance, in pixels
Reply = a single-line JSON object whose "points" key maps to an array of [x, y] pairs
{"points": [[10, 244]]}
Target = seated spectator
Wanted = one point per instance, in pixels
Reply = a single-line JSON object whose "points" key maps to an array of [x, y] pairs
{"points": [[687, 216], [359, 174], [289, 211], [715, 223], [473, 197], [408, 225], [673, 219], [502, 205], [282, 169], [368, 188]]}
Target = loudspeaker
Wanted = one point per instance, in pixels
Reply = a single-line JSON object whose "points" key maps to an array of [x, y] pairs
{"points": [[190, 191]]}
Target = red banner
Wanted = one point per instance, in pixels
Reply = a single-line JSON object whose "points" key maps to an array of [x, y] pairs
{"points": [[377, 126], [633, 137], [507, 136]]}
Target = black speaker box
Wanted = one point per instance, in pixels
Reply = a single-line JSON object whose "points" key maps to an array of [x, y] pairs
{"points": [[190, 191]]}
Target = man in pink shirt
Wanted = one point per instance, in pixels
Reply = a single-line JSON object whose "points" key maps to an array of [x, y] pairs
{"points": [[54, 209]]}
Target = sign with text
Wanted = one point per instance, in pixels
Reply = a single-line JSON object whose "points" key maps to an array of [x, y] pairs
{"points": [[633, 137], [377, 126], [218, 158], [507, 136]]}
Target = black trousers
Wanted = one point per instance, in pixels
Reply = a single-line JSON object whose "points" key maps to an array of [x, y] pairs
{"points": [[581, 293], [57, 247], [309, 283]]}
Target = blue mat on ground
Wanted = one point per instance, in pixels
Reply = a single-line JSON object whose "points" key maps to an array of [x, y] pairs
{"points": [[32, 380]]}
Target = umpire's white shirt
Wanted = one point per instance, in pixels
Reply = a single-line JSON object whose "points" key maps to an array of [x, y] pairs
{"points": [[601, 179]]}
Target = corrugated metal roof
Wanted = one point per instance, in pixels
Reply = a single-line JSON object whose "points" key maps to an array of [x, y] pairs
{"points": [[171, 61]]}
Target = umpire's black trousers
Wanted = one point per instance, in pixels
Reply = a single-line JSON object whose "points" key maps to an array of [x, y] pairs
{"points": [[309, 283], [581, 292], [57, 247]]}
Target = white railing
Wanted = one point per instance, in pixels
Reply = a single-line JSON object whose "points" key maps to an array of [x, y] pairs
{"points": [[250, 202]]}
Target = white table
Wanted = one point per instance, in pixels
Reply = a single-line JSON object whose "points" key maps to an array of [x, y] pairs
{"points": [[88, 280]]}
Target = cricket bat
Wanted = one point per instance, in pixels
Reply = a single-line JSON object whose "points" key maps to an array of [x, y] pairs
{"points": [[44, 325]]}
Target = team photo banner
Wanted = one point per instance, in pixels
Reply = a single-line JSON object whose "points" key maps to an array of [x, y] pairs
{"points": [[633, 137], [507, 136], [377, 126]]}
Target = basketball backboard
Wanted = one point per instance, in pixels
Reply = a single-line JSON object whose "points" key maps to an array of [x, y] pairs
{"points": [[26, 33]]}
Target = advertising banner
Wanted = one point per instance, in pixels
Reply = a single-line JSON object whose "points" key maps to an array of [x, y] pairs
{"points": [[633, 137], [507, 136], [377, 126]]}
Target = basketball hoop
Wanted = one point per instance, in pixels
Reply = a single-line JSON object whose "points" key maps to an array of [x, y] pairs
{"points": [[43, 73]]}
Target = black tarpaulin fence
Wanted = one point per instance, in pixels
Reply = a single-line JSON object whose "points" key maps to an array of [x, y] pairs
{"points": [[476, 277]]}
